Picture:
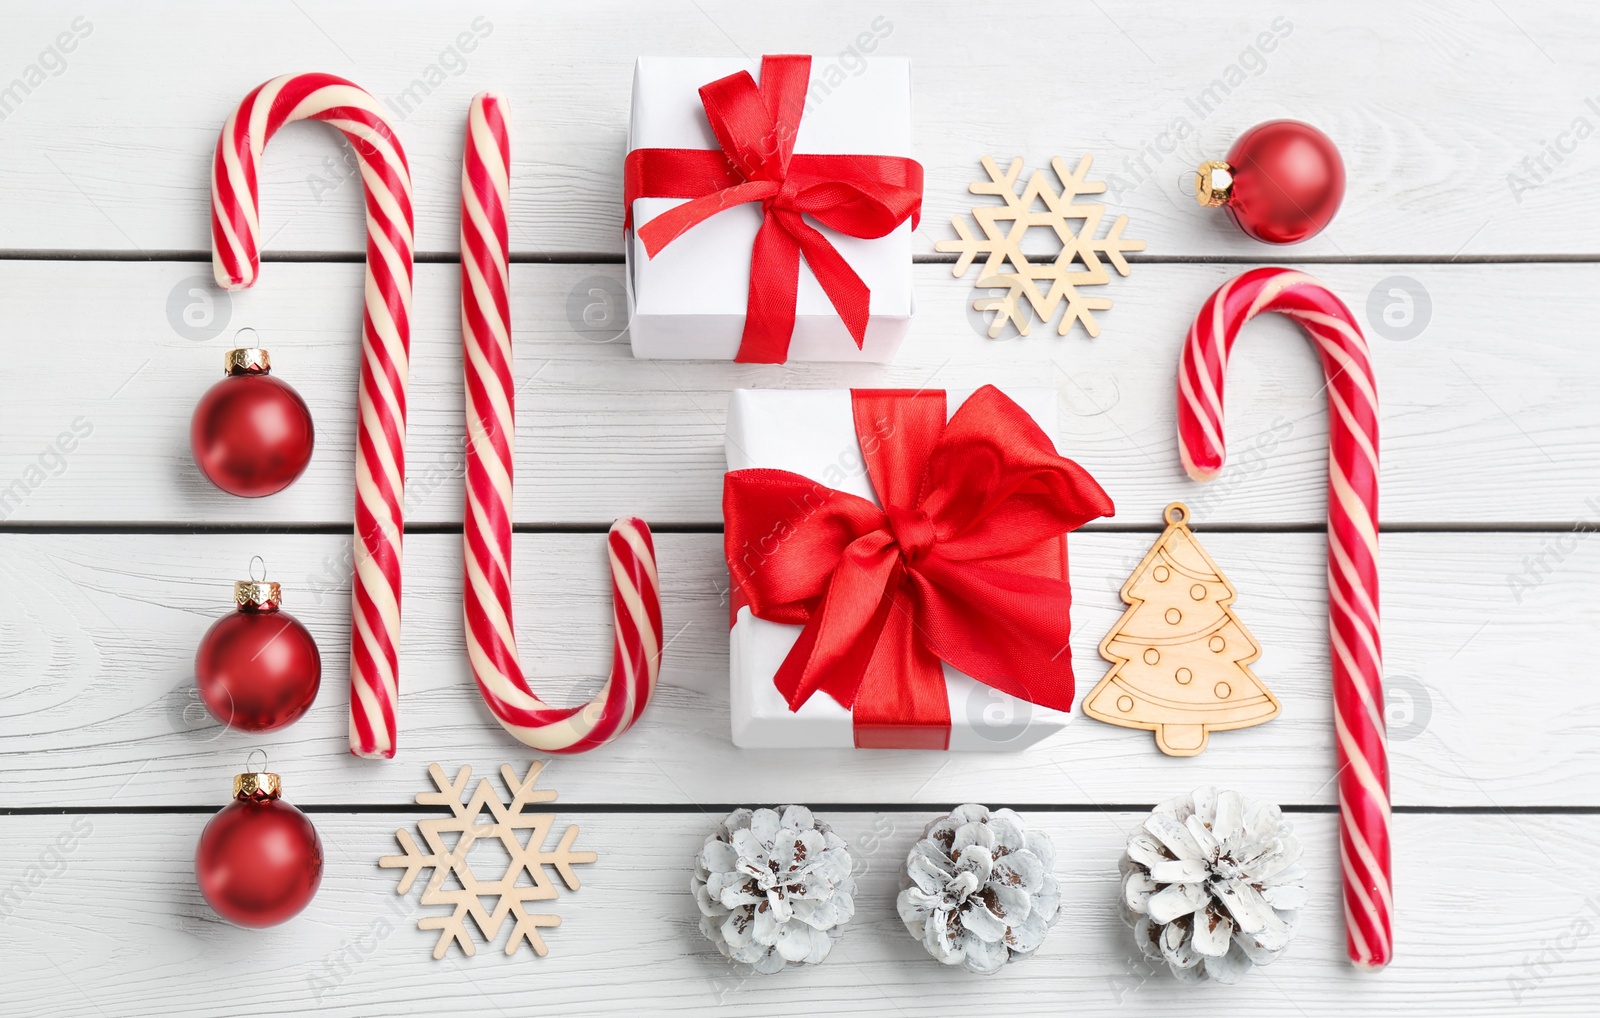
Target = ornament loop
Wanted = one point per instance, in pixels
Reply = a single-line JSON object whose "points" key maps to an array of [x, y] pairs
{"points": [[251, 768], [254, 335], [1176, 513], [251, 571]]}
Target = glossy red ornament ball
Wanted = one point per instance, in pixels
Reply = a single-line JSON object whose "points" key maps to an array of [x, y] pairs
{"points": [[251, 434], [259, 860], [257, 668], [1282, 182]]}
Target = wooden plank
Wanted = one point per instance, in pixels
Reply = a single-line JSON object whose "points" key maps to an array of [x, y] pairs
{"points": [[1500, 168], [115, 926], [1484, 419], [102, 710]]}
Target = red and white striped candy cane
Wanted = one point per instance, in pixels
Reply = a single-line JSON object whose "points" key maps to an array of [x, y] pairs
{"points": [[491, 430], [1352, 557], [385, 352]]}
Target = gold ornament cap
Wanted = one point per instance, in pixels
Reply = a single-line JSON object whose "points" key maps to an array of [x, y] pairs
{"points": [[260, 786], [1213, 183], [257, 595], [247, 360]]}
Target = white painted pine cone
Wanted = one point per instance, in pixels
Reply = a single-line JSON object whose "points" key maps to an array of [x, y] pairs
{"points": [[979, 890], [774, 887], [1211, 885]]}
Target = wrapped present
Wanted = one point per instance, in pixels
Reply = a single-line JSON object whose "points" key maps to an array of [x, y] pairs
{"points": [[898, 570], [769, 218]]}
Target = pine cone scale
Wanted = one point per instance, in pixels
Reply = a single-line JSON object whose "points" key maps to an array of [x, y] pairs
{"points": [[1213, 931], [982, 923]]}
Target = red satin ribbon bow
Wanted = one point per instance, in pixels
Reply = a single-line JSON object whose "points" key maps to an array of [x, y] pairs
{"points": [[862, 196], [960, 565]]}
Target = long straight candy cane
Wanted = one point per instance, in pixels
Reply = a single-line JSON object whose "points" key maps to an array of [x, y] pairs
{"points": [[385, 352], [1352, 557], [491, 430]]}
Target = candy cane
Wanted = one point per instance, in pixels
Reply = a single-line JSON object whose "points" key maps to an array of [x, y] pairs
{"points": [[1352, 557], [491, 431], [385, 352]]}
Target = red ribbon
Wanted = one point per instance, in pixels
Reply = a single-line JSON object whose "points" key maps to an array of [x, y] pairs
{"points": [[862, 196], [961, 564]]}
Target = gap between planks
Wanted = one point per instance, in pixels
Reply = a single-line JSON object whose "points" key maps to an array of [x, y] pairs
{"points": [[45, 528], [616, 258], [715, 808]]}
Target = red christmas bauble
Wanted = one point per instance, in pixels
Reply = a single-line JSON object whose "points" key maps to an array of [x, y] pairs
{"points": [[258, 668], [1282, 182], [251, 434], [259, 860]]}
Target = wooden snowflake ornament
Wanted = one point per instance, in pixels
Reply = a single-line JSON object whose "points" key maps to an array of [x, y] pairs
{"points": [[1080, 262], [523, 836], [1180, 656]]}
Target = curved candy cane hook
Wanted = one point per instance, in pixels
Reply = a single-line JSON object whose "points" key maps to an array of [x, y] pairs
{"points": [[491, 428], [385, 352], [1352, 557]]}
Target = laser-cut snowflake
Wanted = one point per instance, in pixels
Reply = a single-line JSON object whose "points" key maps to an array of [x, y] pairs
{"points": [[527, 857], [1081, 261]]}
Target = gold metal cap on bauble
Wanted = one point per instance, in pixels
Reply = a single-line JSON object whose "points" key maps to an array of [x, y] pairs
{"points": [[247, 360], [1213, 183], [257, 595], [260, 785]]}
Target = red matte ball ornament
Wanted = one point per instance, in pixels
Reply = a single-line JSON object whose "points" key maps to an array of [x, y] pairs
{"points": [[251, 434], [1281, 183], [259, 860], [258, 668]]}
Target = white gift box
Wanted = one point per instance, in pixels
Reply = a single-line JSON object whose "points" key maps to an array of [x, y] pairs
{"points": [[762, 433], [688, 301]]}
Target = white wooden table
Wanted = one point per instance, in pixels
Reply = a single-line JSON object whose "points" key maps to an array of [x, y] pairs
{"points": [[1467, 131]]}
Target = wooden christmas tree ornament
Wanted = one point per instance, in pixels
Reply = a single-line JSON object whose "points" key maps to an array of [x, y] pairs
{"points": [[1179, 655]]}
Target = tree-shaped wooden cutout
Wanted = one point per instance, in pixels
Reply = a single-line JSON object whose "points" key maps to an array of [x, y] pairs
{"points": [[1180, 656]]}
